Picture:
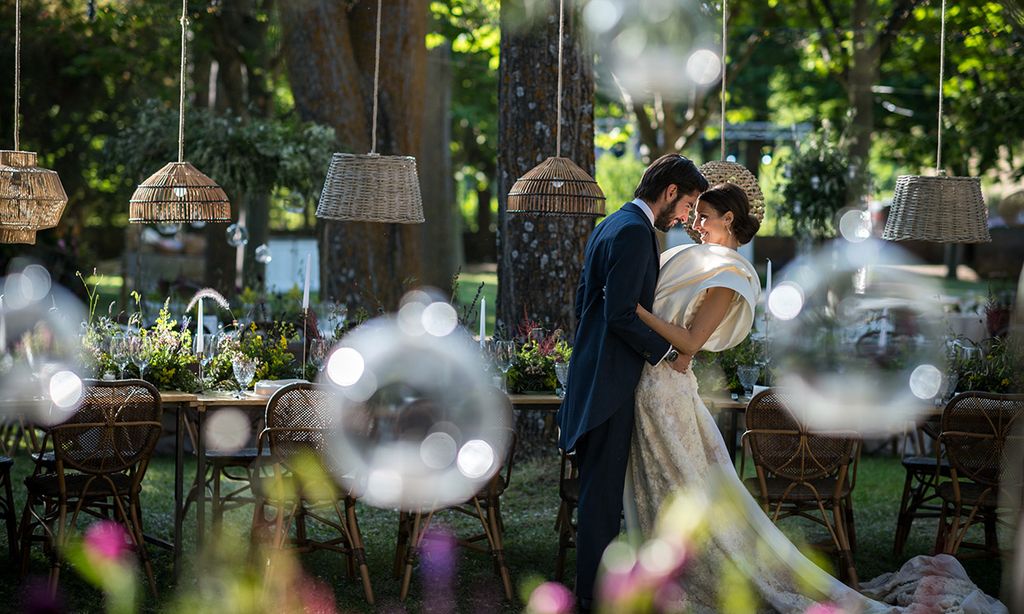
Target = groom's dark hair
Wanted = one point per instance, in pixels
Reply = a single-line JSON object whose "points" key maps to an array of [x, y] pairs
{"points": [[668, 170]]}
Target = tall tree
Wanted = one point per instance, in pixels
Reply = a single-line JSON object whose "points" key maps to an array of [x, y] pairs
{"points": [[329, 51], [540, 258]]}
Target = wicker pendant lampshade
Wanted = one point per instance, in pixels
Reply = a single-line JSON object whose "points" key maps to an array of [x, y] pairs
{"points": [[938, 208], [557, 186], [179, 192], [724, 171], [371, 187], [31, 198]]}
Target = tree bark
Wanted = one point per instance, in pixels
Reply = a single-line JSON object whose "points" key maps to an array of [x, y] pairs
{"points": [[540, 258], [329, 51], [864, 73]]}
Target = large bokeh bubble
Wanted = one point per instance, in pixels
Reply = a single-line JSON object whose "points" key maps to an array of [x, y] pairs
{"points": [[418, 425], [857, 338], [40, 348], [667, 47]]}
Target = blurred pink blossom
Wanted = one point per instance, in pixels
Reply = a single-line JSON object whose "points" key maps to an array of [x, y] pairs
{"points": [[824, 608], [550, 598], [107, 540]]}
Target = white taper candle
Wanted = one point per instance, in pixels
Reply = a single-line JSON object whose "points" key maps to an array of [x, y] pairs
{"points": [[199, 328], [305, 289], [483, 318]]}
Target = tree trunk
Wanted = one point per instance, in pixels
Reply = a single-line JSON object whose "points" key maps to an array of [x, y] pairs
{"points": [[329, 51], [441, 250], [540, 258], [864, 73]]}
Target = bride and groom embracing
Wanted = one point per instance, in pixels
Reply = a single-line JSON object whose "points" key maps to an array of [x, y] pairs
{"points": [[632, 407]]}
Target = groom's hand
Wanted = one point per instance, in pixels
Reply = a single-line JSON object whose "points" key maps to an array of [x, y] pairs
{"points": [[682, 364]]}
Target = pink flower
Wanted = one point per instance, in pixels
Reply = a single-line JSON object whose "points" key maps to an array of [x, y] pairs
{"points": [[107, 540], [824, 608]]}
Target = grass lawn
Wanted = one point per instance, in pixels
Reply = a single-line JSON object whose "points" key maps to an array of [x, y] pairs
{"points": [[529, 508]]}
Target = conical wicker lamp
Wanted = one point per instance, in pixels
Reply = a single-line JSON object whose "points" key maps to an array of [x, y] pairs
{"points": [[938, 208], [31, 198], [179, 192], [371, 187], [724, 171], [557, 186]]}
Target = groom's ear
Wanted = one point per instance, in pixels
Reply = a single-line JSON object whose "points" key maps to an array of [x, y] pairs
{"points": [[671, 190]]}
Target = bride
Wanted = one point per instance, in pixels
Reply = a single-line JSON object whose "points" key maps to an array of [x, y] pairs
{"points": [[706, 294]]}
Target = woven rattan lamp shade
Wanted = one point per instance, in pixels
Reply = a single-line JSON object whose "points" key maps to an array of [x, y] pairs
{"points": [[941, 209], [721, 171], [556, 186], [179, 193], [371, 188], [31, 198]]}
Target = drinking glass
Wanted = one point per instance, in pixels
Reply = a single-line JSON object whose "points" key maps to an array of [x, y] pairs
{"points": [[136, 346], [244, 369], [209, 352], [318, 352], [747, 374], [504, 357], [562, 373], [120, 352]]}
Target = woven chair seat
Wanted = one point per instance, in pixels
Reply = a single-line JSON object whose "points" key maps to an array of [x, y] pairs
{"points": [[800, 492], [245, 455], [970, 494], [6, 461], [48, 485]]}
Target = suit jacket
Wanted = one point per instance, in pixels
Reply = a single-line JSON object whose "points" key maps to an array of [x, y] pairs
{"points": [[620, 269]]}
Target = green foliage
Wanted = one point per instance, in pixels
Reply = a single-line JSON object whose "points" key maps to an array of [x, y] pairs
{"points": [[815, 189], [998, 370], [172, 363], [536, 354], [618, 176], [717, 370], [268, 346]]}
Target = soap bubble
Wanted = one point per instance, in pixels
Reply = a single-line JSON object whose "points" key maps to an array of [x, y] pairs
{"points": [[227, 430], [40, 348], [857, 338], [295, 204], [419, 426], [263, 255], [237, 235]]}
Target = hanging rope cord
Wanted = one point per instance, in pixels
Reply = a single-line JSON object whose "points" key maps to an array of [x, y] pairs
{"points": [[181, 96], [376, 81], [942, 75], [17, 68], [558, 120], [725, 40]]}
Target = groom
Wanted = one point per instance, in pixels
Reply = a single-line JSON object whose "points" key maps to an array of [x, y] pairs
{"points": [[596, 418]]}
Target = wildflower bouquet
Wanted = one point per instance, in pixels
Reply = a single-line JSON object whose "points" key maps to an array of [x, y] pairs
{"points": [[536, 355], [269, 346]]}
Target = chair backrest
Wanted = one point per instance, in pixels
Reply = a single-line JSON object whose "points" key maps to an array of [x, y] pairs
{"points": [[978, 430], [296, 421], [115, 428], [785, 448]]}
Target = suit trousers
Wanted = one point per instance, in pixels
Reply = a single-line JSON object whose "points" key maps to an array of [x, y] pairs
{"points": [[602, 454]]}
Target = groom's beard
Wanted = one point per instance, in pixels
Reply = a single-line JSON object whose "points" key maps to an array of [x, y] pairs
{"points": [[664, 220]]}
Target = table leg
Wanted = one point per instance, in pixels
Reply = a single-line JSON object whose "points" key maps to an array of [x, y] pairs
{"points": [[200, 479], [179, 503], [730, 437]]}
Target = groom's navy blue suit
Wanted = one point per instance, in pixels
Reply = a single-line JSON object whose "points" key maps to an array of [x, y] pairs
{"points": [[620, 270]]}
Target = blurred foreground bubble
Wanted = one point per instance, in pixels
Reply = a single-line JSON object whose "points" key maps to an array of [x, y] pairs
{"points": [[857, 338], [418, 426], [227, 430], [40, 348]]}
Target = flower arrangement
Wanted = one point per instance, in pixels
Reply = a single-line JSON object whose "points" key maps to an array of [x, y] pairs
{"points": [[268, 346], [536, 355], [997, 370], [717, 370], [168, 348]]}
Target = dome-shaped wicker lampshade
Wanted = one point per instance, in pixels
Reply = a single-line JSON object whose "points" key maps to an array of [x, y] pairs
{"points": [[941, 209], [556, 186], [371, 188], [722, 171], [179, 193], [31, 198]]}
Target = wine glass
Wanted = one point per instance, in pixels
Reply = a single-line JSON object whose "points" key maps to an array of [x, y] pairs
{"points": [[244, 368], [206, 357], [318, 352], [120, 352], [562, 373], [139, 358], [504, 357], [748, 374]]}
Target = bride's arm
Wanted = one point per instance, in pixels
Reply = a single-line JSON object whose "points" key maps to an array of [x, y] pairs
{"points": [[689, 340]]}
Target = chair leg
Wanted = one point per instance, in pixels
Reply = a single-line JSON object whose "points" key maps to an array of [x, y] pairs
{"points": [[942, 533], [561, 525], [135, 529], [355, 537], [498, 548], [845, 555], [9, 520], [216, 504], [991, 537], [401, 544], [904, 519], [850, 523], [410, 556]]}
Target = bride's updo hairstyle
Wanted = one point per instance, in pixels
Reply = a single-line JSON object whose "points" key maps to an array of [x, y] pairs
{"points": [[726, 197]]}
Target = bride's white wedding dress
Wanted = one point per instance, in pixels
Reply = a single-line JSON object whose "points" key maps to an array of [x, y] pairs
{"points": [[677, 446]]}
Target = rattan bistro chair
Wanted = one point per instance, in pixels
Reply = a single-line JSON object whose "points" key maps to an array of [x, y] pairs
{"points": [[565, 522], [803, 473], [920, 497], [484, 506], [100, 457], [297, 483], [7, 506], [979, 429]]}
